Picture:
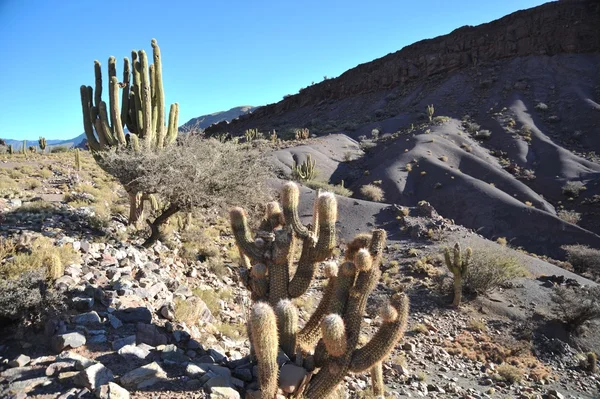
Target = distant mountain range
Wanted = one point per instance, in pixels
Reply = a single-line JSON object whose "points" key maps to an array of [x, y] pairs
{"points": [[194, 124]]}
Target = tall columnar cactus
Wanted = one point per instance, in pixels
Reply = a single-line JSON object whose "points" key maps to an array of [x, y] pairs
{"points": [[142, 110], [307, 170], [77, 159], [329, 339], [24, 148], [10, 149], [430, 111], [458, 265]]}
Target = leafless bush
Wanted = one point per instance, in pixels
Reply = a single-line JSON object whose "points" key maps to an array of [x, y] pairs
{"points": [[577, 305], [584, 259], [569, 216], [573, 188], [192, 172]]}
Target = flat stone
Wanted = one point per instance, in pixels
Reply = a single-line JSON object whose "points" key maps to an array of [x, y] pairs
{"points": [[25, 386], [111, 391], [290, 377], [15, 373], [134, 351], [81, 362], [97, 339], [134, 315], [149, 334], [94, 376], [19, 361], [143, 377], [121, 342], [58, 367], [62, 341]]}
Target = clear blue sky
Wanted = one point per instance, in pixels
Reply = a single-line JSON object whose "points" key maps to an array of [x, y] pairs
{"points": [[216, 54]]}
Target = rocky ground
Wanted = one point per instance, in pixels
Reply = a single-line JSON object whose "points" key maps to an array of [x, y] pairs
{"points": [[122, 335]]}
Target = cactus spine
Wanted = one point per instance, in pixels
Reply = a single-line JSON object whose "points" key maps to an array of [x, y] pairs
{"points": [[337, 319], [307, 170], [459, 267], [42, 144], [142, 110]]}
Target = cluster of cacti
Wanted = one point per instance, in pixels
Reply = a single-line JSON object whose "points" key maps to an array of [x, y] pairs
{"points": [[307, 170], [329, 340], [77, 160], [274, 137], [302, 134], [458, 265], [251, 134], [430, 111], [142, 110], [42, 143]]}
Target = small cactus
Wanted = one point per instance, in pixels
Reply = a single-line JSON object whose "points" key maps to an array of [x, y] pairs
{"points": [[77, 160], [302, 134], [430, 111], [459, 267], [274, 137], [589, 362], [54, 267], [10, 149], [250, 135], [307, 170], [42, 144]]}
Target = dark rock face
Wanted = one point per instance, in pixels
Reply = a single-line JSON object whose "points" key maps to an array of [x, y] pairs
{"points": [[550, 29]]}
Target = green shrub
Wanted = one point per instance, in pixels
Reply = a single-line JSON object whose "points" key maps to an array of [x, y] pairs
{"points": [[338, 189], [59, 149], [491, 266]]}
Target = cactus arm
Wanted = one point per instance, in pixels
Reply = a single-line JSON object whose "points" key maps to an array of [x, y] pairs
{"points": [[115, 115], [290, 198], [137, 94], [287, 324], [148, 134], [305, 271], [377, 384], [327, 216], [345, 281], [243, 237], [265, 342], [104, 125], [159, 95], [310, 333], [395, 319], [125, 96], [97, 86], [173, 128], [151, 70], [87, 118]]}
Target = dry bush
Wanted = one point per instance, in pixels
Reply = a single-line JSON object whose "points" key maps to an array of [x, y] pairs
{"points": [[191, 173], [36, 257], [577, 305], [573, 188], [372, 192], [338, 189], [491, 266], [509, 373], [583, 259], [569, 216]]}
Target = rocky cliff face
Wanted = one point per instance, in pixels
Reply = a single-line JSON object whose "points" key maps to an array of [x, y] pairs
{"points": [[550, 29]]}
